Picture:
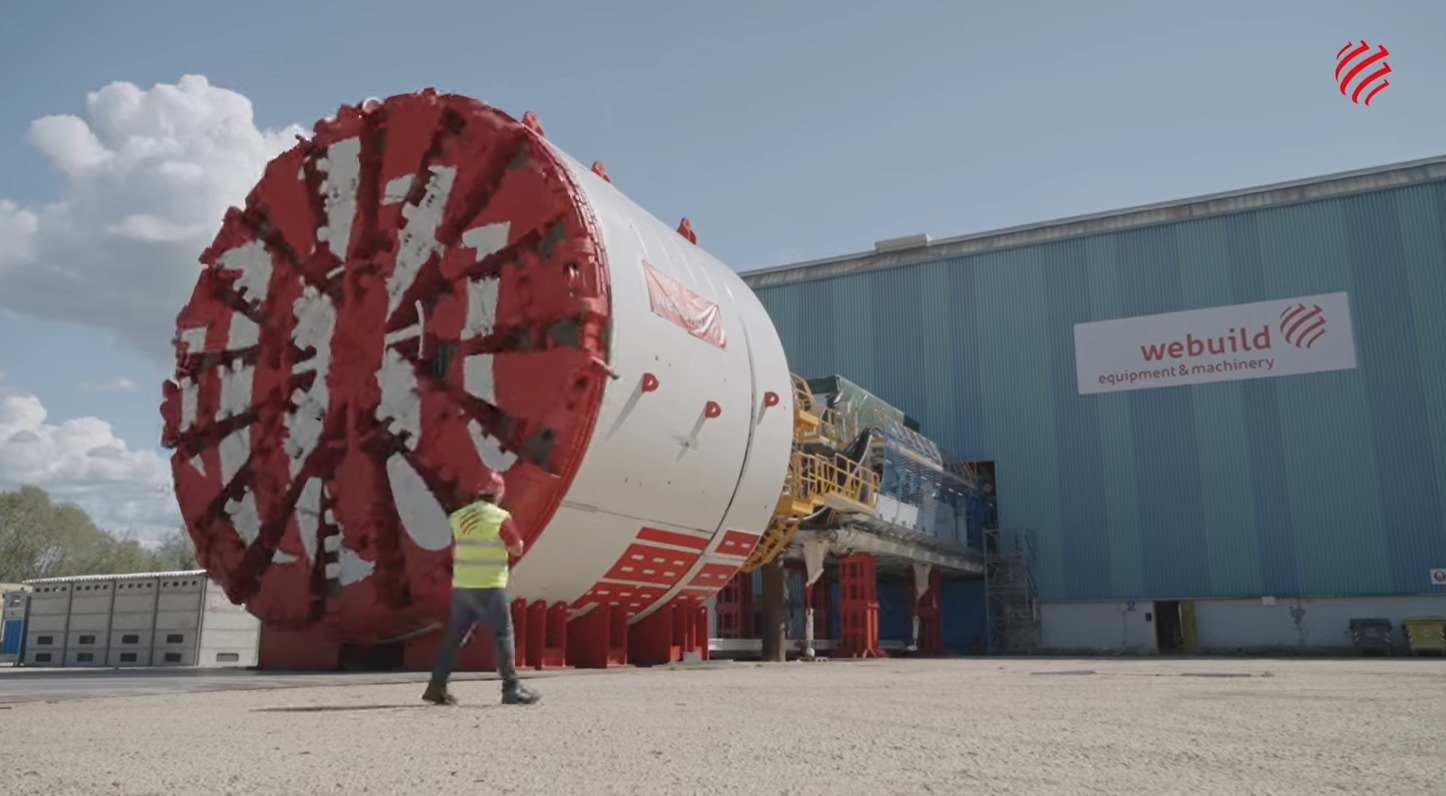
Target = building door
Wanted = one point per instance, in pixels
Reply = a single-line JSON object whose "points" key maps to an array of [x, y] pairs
{"points": [[1168, 635], [1189, 630]]}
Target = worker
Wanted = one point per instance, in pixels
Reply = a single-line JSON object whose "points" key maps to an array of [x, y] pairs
{"points": [[484, 535]]}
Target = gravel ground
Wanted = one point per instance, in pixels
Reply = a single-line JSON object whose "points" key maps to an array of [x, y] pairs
{"points": [[895, 726]]}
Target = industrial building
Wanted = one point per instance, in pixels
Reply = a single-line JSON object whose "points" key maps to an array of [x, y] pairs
{"points": [[149, 619], [1221, 420]]}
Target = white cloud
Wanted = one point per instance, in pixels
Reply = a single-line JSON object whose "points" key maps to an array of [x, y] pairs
{"points": [[117, 385], [82, 461], [148, 176]]}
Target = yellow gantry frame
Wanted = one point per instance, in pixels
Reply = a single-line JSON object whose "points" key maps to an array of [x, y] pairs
{"points": [[815, 480]]}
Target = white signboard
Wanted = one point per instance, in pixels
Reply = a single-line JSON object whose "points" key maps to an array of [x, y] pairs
{"points": [[1283, 337], [1438, 577]]}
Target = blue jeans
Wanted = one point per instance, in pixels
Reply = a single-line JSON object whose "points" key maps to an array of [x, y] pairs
{"points": [[485, 607]]}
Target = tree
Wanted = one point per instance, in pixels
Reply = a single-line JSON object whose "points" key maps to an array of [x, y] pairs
{"points": [[41, 539], [176, 552]]}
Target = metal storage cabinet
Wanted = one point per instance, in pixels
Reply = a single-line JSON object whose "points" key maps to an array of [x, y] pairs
{"points": [[178, 620], [132, 621], [88, 631], [45, 632], [12, 626]]}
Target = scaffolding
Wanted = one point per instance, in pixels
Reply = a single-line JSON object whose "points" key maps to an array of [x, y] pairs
{"points": [[1011, 599]]}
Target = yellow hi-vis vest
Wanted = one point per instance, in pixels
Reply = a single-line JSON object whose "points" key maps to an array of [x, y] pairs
{"points": [[479, 559]]}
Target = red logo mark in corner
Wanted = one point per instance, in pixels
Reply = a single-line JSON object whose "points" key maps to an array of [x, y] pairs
{"points": [[1372, 83], [1303, 326]]}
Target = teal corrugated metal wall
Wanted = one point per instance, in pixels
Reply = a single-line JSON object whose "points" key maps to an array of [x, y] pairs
{"points": [[1321, 484]]}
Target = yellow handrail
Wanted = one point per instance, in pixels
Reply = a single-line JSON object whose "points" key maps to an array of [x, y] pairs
{"points": [[814, 480], [839, 476], [802, 396]]}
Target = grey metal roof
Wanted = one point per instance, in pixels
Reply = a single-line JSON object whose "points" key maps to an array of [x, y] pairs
{"points": [[1309, 189], [180, 573]]}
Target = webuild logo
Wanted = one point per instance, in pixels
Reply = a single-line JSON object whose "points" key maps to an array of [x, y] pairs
{"points": [[1303, 327], [1350, 66], [1233, 342], [1243, 341]]}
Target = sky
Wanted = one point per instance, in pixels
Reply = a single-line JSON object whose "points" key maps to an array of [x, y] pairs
{"points": [[784, 131]]}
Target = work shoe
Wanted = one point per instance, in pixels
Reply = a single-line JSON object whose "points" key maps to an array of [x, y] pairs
{"points": [[438, 696], [519, 694]]}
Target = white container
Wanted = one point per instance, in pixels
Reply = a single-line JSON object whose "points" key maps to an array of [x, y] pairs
{"points": [[180, 656], [129, 647], [94, 656], [88, 629], [132, 619], [46, 630], [230, 636]]}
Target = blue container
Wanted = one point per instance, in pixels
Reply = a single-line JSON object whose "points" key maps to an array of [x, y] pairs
{"points": [[12, 642]]}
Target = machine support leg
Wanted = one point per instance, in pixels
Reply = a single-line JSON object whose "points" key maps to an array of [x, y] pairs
{"points": [[813, 555], [773, 614], [808, 651], [921, 582]]}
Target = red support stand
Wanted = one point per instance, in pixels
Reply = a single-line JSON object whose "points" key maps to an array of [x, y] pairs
{"points": [[734, 606], [651, 641], [618, 638], [598, 639], [690, 630], [669, 634], [519, 632], [547, 636], [700, 632], [859, 607]]}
